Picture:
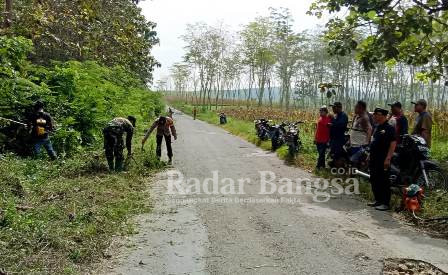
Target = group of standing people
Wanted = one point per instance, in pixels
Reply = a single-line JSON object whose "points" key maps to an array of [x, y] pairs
{"points": [[381, 131]]}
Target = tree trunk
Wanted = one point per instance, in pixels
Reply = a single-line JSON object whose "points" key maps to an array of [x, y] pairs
{"points": [[8, 14]]}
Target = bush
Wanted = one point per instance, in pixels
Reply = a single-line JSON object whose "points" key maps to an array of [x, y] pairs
{"points": [[81, 96], [58, 217]]}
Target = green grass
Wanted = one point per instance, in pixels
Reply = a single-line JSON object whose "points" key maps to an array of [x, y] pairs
{"points": [[436, 205], [59, 217], [439, 151]]}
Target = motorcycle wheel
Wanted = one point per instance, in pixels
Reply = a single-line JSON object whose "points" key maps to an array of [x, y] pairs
{"points": [[292, 151], [437, 179], [275, 144], [264, 136]]}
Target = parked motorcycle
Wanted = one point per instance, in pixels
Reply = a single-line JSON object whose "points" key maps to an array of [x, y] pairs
{"points": [[350, 158], [278, 133], [222, 118], [262, 128], [292, 138], [411, 164]]}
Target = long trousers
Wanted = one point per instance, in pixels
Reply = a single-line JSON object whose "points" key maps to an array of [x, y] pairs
{"points": [[159, 140], [380, 184], [46, 143], [113, 146], [321, 150]]}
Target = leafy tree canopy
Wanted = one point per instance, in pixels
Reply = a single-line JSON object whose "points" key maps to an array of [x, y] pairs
{"points": [[113, 33], [389, 31]]}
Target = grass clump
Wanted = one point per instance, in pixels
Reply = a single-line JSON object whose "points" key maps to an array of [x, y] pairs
{"points": [[59, 217]]}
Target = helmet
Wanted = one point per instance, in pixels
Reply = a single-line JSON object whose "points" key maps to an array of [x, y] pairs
{"points": [[38, 105]]}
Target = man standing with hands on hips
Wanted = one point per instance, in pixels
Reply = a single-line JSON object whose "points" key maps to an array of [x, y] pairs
{"points": [[382, 149], [165, 128]]}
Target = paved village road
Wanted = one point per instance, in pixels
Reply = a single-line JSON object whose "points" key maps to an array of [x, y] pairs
{"points": [[341, 236]]}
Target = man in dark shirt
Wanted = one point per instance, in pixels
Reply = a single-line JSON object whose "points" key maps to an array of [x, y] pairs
{"points": [[338, 127], [398, 121], [382, 148], [113, 141], [41, 125]]}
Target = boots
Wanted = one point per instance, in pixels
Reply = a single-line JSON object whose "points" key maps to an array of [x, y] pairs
{"points": [[118, 165], [110, 163]]}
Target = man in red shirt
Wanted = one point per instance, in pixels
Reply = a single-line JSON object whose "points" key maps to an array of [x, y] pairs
{"points": [[322, 136]]}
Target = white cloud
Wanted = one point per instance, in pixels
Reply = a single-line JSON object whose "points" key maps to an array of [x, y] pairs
{"points": [[172, 16]]}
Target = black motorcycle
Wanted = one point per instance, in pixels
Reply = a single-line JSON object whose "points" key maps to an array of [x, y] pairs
{"points": [[278, 133], [292, 138], [262, 128], [411, 164], [222, 118], [351, 158]]}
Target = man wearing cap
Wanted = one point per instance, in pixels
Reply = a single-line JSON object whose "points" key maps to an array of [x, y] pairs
{"points": [[382, 149], [398, 121], [338, 127], [423, 123]]}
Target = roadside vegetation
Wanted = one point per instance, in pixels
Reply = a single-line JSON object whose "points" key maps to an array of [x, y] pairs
{"points": [[88, 63], [59, 217]]}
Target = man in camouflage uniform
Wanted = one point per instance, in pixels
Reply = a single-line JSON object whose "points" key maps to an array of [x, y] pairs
{"points": [[113, 141], [165, 128]]}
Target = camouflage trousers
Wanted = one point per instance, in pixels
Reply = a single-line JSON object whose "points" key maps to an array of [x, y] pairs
{"points": [[114, 146]]}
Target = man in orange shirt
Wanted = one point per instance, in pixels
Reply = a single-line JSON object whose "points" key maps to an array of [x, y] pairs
{"points": [[165, 128], [322, 136]]}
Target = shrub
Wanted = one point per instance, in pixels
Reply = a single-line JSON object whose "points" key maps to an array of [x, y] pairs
{"points": [[81, 97]]}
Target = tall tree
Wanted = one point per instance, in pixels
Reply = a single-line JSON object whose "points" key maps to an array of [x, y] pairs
{"points": [[412, 32], [258, 53], [180, 73], [7, 14], [205, 46], [287, 50], [110, 32]]}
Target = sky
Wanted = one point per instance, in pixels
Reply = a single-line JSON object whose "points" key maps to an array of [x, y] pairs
{"points": [[172, 17]]}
